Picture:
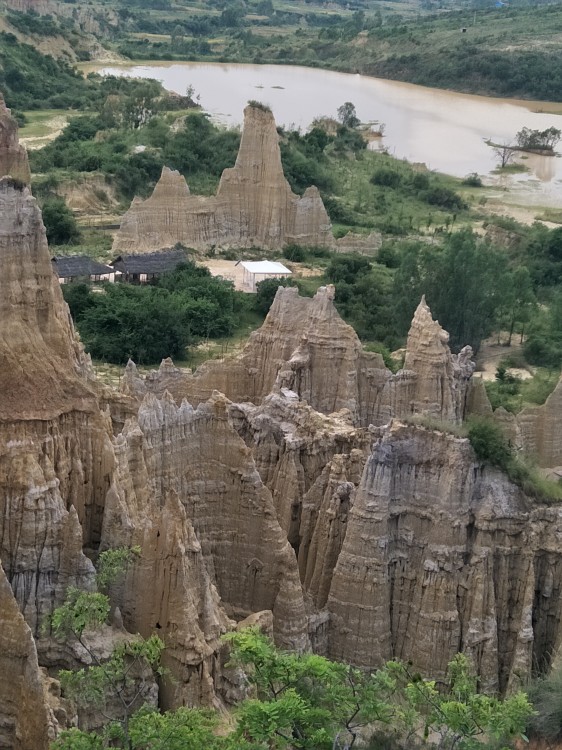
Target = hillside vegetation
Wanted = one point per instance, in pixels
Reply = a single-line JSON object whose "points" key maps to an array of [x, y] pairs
{"points": [[505, 51]]}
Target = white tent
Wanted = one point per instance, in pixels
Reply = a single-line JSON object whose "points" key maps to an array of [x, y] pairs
{"points": [[258, 270]]}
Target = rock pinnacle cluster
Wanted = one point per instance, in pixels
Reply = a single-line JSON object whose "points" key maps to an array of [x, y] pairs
{"points": [[294, 484]]}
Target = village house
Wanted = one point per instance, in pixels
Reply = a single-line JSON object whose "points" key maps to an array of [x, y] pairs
{"points": [[140, 269], [82, 268]]}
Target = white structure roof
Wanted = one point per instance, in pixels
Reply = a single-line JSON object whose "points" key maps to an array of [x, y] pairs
{"points": [[264, 266]]}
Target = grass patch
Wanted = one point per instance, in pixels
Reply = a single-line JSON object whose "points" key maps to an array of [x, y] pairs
{"points": [[45, 122], [551, 214], [439, 425], [94, 244], [515, 168]]}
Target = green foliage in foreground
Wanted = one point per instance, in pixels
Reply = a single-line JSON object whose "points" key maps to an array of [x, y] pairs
{"points": [[307, 702], [116, 686]]}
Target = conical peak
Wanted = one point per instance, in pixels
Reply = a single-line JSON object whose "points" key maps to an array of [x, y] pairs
{"points": [[426, 338], [171, 185], [260, 141]]}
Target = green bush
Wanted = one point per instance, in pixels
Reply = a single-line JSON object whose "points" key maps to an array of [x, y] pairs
{"points": [[141, 323], [386, 177], [472, 180], [296, 253], [79, 298], [443, 197], [489, 442], [546, 697], [59, 221], [148, 323], [347, 269]]}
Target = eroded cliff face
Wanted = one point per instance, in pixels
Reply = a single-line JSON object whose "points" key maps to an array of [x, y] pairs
{"points": [[254, 205], [85, 17], [62, 481], [439, 557], [304, 346], [194, 463], [13, 157], [55, 453], [25, 721]]}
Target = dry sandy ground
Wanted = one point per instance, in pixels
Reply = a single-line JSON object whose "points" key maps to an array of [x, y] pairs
{"points": [[227, 269], [491, 353], [55, 127]]}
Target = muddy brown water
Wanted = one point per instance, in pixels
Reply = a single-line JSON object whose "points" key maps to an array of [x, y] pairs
{"points": [[442, 129]]}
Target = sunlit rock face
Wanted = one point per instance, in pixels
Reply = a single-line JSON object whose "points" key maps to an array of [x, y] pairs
{"points": [[254, 205]]}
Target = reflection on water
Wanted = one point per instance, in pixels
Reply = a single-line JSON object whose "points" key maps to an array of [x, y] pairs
{"points": [[445, 130], [543, 167]]}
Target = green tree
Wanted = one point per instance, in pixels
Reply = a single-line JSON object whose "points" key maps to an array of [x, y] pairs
{"points": [[118, 683], [59, 221], [307, 702], [347, 115], [462, 717], [141, 323], [463, 281], [347, 269], [517, 300]]}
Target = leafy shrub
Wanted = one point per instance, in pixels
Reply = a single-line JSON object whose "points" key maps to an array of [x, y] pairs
{"points": [[79, 298], [141, 323], [148, 323], [388, 256], [472, 180], [347, 269], [489, 442], [546, 697], [386, 177], [349, 140], [60, 224], [443, 197], [420, 181], [296, 253]]}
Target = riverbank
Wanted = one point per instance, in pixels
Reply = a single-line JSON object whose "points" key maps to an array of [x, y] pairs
{"points": [[450, 128]]}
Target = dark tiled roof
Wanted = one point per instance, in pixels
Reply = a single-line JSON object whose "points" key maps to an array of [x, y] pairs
{"points": [[160, 262], [67, 266]]}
